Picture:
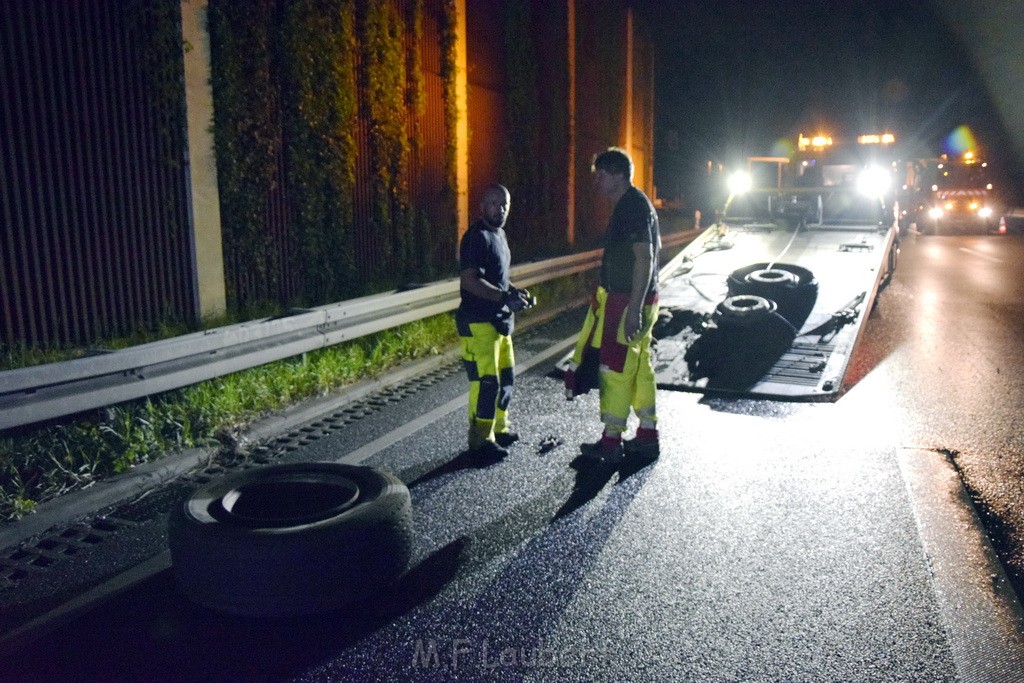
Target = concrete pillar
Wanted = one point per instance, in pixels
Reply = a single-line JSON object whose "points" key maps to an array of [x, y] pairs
{"points": [[208, 255]]}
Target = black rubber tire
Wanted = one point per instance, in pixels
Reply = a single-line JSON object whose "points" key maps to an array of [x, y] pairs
{"points": [[745, 307], [735, 352], [773, 276], [291, 539]]}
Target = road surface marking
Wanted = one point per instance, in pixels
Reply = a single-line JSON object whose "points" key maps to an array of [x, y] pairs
{"points": [[408, 429]]}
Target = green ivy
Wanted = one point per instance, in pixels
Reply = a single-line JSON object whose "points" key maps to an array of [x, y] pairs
{"points": [[521, 106], [433, 242], [535, 156], [247, 135], [320, 116], [554, 165], [384, 87], [415, 92], [449, 69], [294, 80], [155, 28]]}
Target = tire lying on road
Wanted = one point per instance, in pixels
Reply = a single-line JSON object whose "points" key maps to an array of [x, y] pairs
{"points": [[291, 539]]}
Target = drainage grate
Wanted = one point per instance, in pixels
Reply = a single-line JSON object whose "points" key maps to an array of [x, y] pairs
{"points": [[153, 504], [51, 549], [802, 365], [325, 426]]}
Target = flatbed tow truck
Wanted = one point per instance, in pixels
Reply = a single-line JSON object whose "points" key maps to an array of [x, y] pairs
{"points": [[771, 300]]}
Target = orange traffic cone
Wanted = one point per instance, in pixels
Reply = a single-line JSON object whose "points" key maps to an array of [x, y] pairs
{"points": [[1002, 225]]}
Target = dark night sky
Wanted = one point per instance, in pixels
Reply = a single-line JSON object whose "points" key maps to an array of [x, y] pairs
{"points": [[733, 77]]}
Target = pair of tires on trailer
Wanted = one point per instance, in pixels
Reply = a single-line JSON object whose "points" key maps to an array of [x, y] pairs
{"points": [[291, 539], [765, 308]]}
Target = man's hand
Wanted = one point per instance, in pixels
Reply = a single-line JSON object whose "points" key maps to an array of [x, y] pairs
{"points": [[517, 299], [643, 271], [632, 323]]}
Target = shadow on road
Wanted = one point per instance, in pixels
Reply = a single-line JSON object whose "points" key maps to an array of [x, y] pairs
{"points": [[153, 633], [466, 460]]}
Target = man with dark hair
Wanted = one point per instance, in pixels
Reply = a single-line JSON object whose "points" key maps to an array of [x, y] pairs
{"points": [[622, 315], [485, 320]]}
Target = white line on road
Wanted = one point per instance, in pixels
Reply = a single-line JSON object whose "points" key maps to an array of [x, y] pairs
{"points": [[408, 429], [33, 630], [987, 257]]}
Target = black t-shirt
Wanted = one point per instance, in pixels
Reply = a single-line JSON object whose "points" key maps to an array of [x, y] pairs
{"points": [[633, 220], [485, 250]]}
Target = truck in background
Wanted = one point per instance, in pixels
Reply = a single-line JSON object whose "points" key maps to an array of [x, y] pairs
{"points": [[771, 300], [951, 195]]}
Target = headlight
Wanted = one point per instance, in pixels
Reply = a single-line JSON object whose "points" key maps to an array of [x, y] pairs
{"points": [[985, 212], [739, 182], [873, 181], [935, 212]]}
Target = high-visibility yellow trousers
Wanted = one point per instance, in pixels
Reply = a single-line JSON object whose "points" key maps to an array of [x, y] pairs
{"points": [[490, 362], [626, 373]]}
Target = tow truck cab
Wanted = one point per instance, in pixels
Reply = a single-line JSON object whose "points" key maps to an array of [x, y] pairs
{"points": [[825, 185]]}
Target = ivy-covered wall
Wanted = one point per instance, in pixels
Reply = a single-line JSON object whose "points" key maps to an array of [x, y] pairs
{"points": [[339, 171], [320, 117], [247, 141], [335, 126], [318, 105], [600, 105], [537, 120], [384, 88]]}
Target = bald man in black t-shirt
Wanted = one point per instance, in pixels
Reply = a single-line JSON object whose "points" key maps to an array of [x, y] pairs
{"points": [[485, 320]]}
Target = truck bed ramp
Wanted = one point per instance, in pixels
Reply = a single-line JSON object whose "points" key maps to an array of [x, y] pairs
{"points": [[766, 310]]}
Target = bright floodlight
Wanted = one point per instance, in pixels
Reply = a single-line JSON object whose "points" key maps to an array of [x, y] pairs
{"points": [[739, 182], [985, 211], [873, 181]]}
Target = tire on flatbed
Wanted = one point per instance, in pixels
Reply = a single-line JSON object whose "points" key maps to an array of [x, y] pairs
{"points": [[291, 539]]}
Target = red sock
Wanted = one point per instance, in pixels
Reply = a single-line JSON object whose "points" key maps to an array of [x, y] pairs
{"points": [[647, 434], [610, 440]]}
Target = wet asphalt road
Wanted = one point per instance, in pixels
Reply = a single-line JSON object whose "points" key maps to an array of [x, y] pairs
{"points": [[771, 542], [947, 339]]}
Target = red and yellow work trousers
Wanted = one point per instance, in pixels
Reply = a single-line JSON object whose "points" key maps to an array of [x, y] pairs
{"points": [[490, 366], [626, 372]]}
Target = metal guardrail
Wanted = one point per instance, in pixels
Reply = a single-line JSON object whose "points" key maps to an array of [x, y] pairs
{"points": [[44, 392]]}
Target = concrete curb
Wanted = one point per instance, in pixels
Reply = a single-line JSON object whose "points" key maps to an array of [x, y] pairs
{"points": [[64, 510]]}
